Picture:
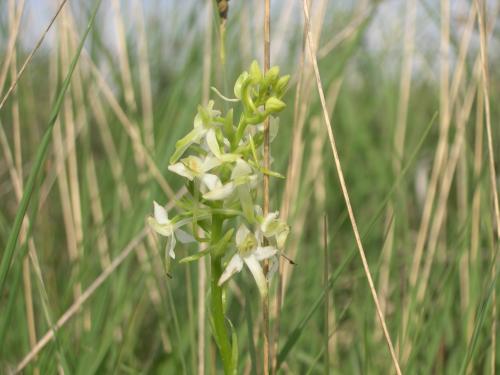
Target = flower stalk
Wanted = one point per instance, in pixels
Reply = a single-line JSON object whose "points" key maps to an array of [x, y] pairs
{"points": [[216, 302], [224, 165]]}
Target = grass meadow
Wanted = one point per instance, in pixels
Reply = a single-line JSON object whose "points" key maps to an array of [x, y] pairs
{"points": [[94, 97]]}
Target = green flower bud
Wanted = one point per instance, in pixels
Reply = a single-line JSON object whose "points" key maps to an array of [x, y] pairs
{"points": [[281, 85], [274, 105], [204, 115], [255, 72], [272, 76], [239, 83]]}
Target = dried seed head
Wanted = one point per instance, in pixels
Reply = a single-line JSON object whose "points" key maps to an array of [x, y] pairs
{"points": [[223, 7]]}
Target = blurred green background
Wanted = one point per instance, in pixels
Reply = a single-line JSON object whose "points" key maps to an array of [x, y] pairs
{"points": [[404, 91]]}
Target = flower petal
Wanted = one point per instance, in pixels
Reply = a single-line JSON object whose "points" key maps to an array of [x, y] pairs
{"points": [[265, 252], [258, 274], [163, 229], [182, 144], [212, 143], [220, 193], [234, 265], [211, 181], [160, 214], [273, 268], [241, 234], [184, 237], [242, 168], [210, 163], [270, 223], [246, 202], [170, 246], [181, 170], [282, 236]]}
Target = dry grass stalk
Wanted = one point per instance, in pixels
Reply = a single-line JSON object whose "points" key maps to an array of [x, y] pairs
{"points": [[125, 72], [265, 188], [491, 164], [97, 213], [14, 23], [348, 31], [301, 106], [449, 171], [145, 80], [345, 192], [130, 128], [399, 145], [30, 56], [76, 306], [442, 148]]}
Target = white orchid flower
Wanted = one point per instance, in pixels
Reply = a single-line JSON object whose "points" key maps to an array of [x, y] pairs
{"points": [[213, 146], [203, 122], [272, 226], [243, 173], [214, 189], [245, 179], [251, 253], [193, 166], [169, 228], [241, 178]]}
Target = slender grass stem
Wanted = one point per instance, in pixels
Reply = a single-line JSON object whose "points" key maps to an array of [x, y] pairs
{"points": [[265, 192]]}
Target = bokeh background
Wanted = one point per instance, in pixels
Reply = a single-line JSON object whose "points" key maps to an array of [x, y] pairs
{"points": [[86, 289]]}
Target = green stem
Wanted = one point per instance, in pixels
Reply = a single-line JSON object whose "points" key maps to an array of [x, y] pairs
{"points": [[219, 324], [239, 132]]}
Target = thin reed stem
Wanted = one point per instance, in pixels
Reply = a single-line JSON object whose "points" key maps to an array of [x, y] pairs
{"points": [[265, 186], [345, 192], [493, 175], [327, 295]]}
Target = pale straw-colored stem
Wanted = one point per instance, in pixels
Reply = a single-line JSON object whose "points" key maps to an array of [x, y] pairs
{"points": [[491, 162], [345, 192], [265, 187], [76, 306], [14, 22], [30, 56]]}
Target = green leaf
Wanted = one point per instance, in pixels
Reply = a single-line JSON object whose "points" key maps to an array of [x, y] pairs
{"points": [[218, 249], [234, 349]]}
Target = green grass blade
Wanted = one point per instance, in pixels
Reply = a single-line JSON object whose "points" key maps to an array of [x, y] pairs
{"points": [[39, 159], [481, 317]]}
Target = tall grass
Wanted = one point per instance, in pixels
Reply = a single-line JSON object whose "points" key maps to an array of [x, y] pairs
{"points": [[82, 284]]}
